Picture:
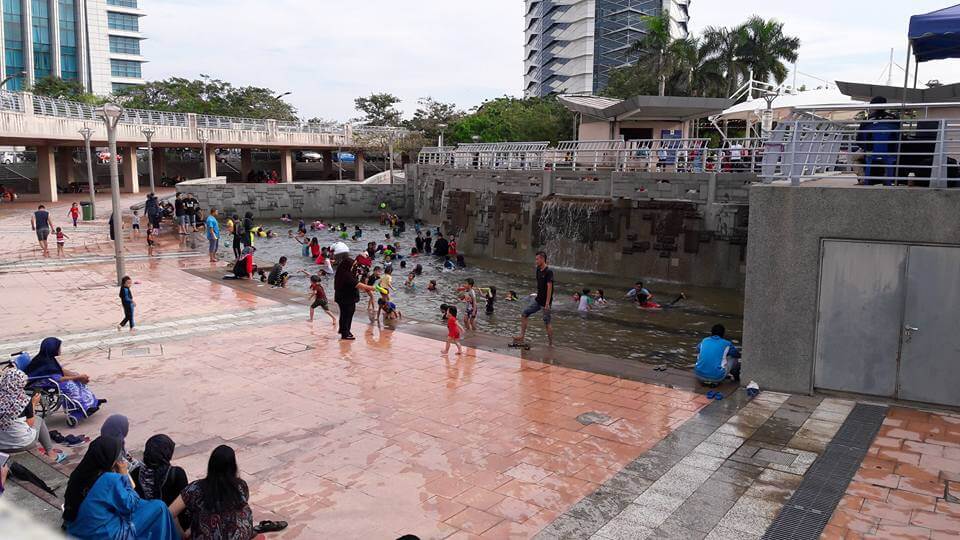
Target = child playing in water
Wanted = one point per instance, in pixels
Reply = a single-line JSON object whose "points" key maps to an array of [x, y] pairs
{"points": [[490, 295], [601, 299], [389, 310], [386, 283], [135, 223], [357, 233], [511, 296], [150, 241], [432, 286], [319, 299], [60, 237], [583, 302], [469, 297], [453, 330]]}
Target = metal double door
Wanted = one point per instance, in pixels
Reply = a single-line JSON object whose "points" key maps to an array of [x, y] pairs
{"points": [[889, 321]]}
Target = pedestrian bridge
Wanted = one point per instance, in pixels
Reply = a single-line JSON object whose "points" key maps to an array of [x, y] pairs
{"points": [[53, 127]]}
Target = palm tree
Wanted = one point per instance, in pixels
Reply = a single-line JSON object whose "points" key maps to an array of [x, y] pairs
{"points": [[764, 48], [726, 46], [654, 58]]}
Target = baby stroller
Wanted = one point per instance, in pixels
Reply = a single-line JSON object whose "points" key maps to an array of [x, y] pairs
{"points": [[51, 398]]}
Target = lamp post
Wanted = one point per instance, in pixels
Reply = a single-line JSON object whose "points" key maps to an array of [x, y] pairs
{"points": [[111, 113], [87, 133], [202, 137], [390, 150], [440, 140], [6, 79], [148, 133]]}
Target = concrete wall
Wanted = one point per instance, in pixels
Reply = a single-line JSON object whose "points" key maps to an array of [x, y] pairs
{"points": [[307, 199], [787, 225], [673, 226]]}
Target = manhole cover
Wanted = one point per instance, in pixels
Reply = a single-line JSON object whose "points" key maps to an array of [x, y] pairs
{"points": [[143, 351], [291, 348], [592, 417]]}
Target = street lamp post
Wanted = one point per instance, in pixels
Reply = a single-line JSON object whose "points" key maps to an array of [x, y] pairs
{"points": [[87, 133], [390, 150], [440, 140], [6, 79], [111, 113], [148, 133], [202, 137]]}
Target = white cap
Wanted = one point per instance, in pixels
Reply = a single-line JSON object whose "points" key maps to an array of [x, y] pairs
{"points": [[340, 247]]}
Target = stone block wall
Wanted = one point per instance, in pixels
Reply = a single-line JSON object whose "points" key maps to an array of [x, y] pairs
{"points": [[683, 227], [307, 199]]}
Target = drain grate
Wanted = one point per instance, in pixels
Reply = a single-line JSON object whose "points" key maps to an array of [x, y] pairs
{"points": [[291, 348], [593, 417], [809, 509]]}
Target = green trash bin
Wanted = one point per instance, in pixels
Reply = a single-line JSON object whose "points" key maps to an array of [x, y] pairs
{"points": [[86, 210]]}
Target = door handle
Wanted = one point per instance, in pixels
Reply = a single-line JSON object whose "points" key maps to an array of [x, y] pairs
{"points": [[909, 330]]}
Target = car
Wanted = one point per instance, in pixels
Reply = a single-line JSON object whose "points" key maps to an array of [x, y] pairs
{"points": [[8, 158], [345, 157], [310, 156]]}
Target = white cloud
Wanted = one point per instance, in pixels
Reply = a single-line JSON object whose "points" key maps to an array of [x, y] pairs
{"points": [[327, 52]]}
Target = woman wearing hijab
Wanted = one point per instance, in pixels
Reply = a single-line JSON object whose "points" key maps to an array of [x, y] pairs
{"points": [[100, 501], [157, 478], [72, 384], [20, 430]]}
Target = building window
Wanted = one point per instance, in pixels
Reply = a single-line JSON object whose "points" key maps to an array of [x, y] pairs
{"points": [[42, 55], [120, 87], [123, 21], [125, 68], [124, 45], [123, 3], [68, 41], [13, 44]]}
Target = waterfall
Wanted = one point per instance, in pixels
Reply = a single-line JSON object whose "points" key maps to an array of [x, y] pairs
{"points": [[567, 229]]}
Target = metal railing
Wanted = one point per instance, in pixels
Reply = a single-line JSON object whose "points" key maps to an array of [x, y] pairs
{"points": [[62, 108], [883, 150], [673, 155]]}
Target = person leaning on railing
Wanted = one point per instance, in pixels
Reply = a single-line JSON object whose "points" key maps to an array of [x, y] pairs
{"points": [[878, 137]]}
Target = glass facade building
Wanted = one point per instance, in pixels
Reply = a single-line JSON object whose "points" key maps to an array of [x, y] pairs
{"points": [[571, 46], [96, 42]]}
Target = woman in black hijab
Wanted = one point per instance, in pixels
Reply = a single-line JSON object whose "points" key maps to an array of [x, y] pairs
{"points": [[157, 478], [100, 458]]}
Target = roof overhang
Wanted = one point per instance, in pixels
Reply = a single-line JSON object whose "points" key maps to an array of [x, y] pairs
{"points": [[866, 92], [677, 108]]}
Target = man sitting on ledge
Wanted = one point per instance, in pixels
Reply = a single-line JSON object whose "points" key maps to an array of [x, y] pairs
{"points": [[718, 358]]}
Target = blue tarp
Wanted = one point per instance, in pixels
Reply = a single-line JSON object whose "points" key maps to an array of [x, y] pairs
{"points": [[936, 35]]}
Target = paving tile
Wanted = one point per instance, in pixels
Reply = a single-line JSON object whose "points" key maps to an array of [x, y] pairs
{"points": [[473, 520], [673, 531], [772, 456]]}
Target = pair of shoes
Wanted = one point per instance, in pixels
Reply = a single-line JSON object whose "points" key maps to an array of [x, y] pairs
{"points": [[269, 526], [349, 337], [714, 395]]}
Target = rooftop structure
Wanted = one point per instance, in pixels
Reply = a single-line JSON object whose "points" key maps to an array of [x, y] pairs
{"points": [[571, 46]]}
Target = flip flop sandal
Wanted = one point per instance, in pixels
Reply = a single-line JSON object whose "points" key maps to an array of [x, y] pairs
{"points": [[61, 457], [717, 396], [270, 526], [710, 394]]}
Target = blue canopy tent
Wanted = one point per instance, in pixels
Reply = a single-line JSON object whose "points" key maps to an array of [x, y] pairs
{"points": [[933, 36]]}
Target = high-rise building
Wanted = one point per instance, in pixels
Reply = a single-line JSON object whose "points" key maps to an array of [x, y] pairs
{"points": [[572, 45], [96, 42]]}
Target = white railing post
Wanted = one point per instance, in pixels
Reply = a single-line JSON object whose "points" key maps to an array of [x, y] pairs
{"points": [[792, 155], [938, 174]]}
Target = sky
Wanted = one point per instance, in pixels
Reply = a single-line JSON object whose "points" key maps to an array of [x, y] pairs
{"points": [[328, 52]]}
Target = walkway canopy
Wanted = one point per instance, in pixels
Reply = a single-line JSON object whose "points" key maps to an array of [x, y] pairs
{"points": [[784, 105], [936, 35], [673, 108]]}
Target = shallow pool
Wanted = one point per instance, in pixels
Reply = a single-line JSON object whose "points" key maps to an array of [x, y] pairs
{"points": [[618, 329]]}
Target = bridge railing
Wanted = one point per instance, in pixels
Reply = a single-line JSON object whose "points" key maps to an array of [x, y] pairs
{"points": [[672, 155], [886, 150], [62, 108]]}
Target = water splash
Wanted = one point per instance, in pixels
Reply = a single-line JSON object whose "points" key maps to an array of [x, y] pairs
{"points": [[567, 229]]}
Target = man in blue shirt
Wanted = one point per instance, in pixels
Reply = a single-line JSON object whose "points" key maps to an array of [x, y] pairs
{"points": [[213, 234], [718, 358]]}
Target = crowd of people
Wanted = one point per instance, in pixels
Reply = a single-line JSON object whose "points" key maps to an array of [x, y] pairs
{"points": [[110, 493]]}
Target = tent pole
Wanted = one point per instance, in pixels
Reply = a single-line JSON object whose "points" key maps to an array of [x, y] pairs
{"points": [[906, 74], [916, 71]]}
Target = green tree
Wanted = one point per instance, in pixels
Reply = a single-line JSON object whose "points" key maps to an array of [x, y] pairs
{"points": [[764, 48], [378, 110], [513, 119], [55, 87], [208, 96], [430, 114]]}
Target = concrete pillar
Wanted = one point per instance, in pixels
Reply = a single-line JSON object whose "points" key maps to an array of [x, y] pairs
{"points": [[358, 173], [211, 161], [64, 166], [286, 165], [47, 173], [328, 163], [129, 173], [246, 163], [159, 164]]}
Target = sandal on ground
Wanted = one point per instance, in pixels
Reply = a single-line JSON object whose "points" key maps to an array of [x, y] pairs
{"points": [[269, 526]]}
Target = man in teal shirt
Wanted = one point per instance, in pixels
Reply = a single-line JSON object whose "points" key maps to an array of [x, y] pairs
{"points": [[213, 234], [718, 358]]}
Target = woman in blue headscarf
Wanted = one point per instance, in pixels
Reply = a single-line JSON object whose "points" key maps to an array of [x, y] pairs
{"points": [[72, 384]]}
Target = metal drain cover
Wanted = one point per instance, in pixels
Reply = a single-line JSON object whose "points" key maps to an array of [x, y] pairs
{"points": [[291, 348], [593, 417], [142, 351]]}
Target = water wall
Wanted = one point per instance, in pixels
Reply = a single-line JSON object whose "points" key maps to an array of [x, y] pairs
{"points": [[689, 228]]}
